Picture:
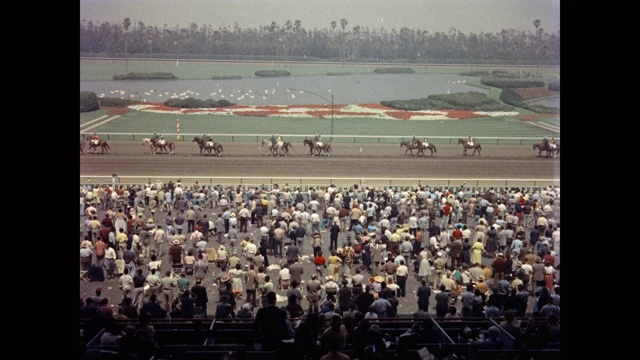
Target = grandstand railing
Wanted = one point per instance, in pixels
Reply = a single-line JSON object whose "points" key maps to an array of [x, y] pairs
{"points": [[304, 183]]}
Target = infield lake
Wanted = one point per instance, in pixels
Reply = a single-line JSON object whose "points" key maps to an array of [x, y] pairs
{"points": [[346, 89]]}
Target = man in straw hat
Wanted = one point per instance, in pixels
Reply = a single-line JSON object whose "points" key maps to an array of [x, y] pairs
{"points": [[175, 252]]}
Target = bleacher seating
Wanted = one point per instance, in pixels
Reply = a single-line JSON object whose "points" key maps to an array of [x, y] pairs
{"points": [[184, 339]]}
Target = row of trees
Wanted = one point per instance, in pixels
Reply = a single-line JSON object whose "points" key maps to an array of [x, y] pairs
{"points": [[338, 42]]}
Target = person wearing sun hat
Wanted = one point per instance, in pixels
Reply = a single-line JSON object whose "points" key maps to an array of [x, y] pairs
{"points": [[175, 252], [86, 254], [481, 285]]}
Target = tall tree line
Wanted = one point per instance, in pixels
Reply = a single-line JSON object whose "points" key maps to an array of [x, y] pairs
{"points": [[338, 42]]}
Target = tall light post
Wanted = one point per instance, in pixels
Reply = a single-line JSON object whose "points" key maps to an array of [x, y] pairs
{"points": [[324, 98]]}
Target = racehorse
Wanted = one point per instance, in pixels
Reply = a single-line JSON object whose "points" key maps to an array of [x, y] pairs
{"points": [[275, 150], [168, 146], [103, 145], [465, 144], [549, 151], [313, 145], [418, 145], [204, 146], [81, 146]]}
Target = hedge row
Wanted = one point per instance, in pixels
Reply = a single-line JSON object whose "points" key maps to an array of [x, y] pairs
{"points": [[510, 83], [191, 103], [510, 97], [401, 70], [472, 100], [145, 76], [272, 73], [227, 77], [554, 86]]}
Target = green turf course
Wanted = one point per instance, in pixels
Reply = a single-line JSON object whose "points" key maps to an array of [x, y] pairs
{"points": [[136, 122]]}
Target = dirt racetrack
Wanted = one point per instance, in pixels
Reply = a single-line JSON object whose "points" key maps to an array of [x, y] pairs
{"points": [[384, 161]]}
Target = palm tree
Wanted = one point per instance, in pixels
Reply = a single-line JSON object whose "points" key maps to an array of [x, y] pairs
{"points": [[125, 24]]}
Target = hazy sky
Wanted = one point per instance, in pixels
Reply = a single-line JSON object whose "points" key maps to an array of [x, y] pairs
{"points": [[467, 16]]}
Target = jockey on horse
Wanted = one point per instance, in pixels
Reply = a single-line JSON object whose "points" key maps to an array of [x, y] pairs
{"points": [[317, 139], [208, 139], [417, 142], [158, 139], [545, 142], [95, 139], [470, 141]]}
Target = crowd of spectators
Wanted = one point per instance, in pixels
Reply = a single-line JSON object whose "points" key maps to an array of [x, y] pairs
{"points": [[490, 254]]}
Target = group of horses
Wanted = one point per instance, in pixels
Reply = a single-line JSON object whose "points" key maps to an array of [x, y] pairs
{"points": [[164, 146], [551, 152], [93, 145], [208, 146], [420, 147], [280, 148], [319, 148]]}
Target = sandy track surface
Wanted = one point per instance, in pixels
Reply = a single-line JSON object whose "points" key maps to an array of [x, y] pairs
{"points": [[132, 158]]}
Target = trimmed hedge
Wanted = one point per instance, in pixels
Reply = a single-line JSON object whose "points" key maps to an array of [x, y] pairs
{"points": [[228, 77], [400, 70], [117, 102], [508, 83], [88, 101], [510, 97], [555, 86], [472, 100], [191, 103], [145, 76], [272, 73]]}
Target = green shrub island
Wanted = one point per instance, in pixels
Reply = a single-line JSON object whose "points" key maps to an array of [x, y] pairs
{"points": [[472, 100], [554, 86], [393, 70], [117, 102], [510, 83], [510, 97], [191, 103], [146, 76], [227, 77], [272, 73], [88, 101]]}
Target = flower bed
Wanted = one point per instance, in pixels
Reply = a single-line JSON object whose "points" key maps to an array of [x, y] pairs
{"points": [[323, 111]]}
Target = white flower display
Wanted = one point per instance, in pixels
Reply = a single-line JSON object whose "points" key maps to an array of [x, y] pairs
{"points": [[323, 111]]}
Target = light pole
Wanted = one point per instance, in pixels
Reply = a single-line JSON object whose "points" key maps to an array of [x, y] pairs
{"points": [[324, 98]]}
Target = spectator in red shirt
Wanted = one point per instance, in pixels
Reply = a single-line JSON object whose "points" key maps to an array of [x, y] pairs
{"points": [[320, 262]]}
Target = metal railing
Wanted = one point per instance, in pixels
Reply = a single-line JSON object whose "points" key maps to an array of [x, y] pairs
{"points": [[316, 182]]}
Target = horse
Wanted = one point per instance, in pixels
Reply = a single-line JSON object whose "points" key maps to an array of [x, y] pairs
{"points": [[465, 145], [549, 151], [419, 146], [103, 145], [204, 146], [81, 146], [313, 145], [168, 146], [275, 150]]}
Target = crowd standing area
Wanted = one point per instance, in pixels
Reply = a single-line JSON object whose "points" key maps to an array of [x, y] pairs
{"points": [[317, 273]]}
